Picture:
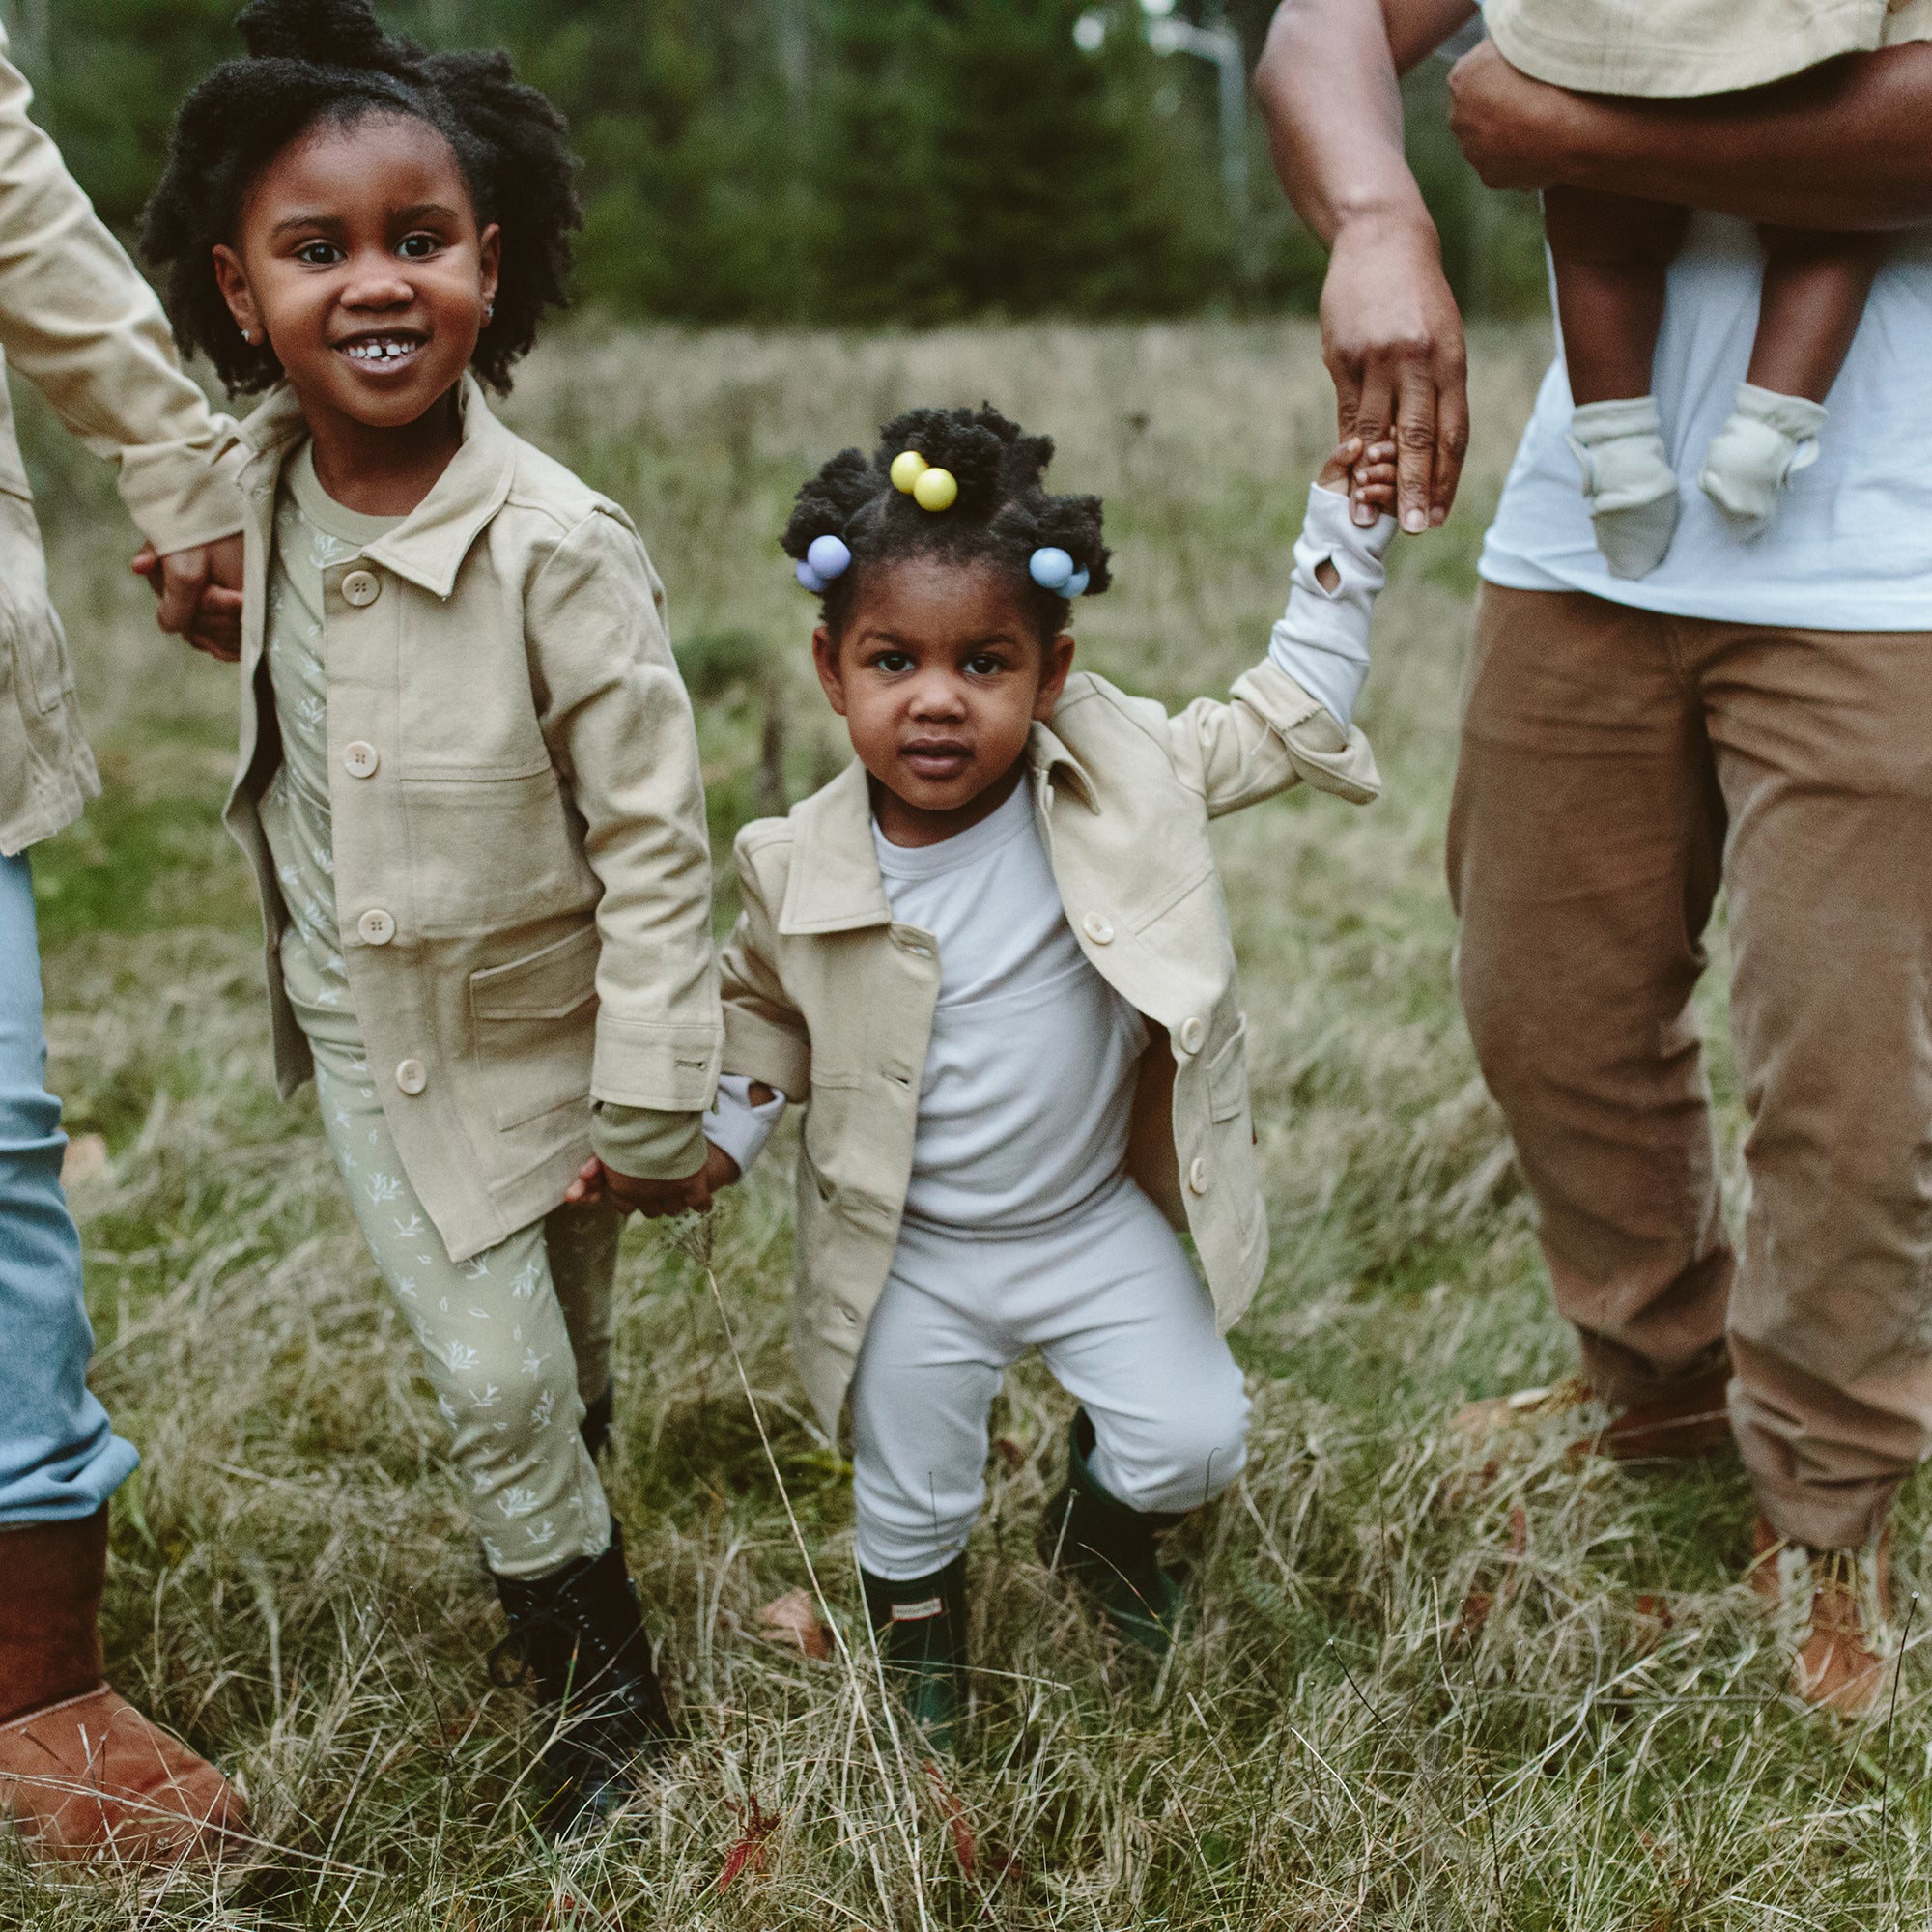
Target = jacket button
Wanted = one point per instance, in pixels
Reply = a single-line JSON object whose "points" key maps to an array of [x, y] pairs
{"points": [[1196, 1176], [377, 926], [1193, 1035], [359, 760], [361, 588], [848, 1314], [412, 1076], [1099, 930]]}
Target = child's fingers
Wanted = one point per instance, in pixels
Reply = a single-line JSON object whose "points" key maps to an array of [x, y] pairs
{"points": [[1334, 472]]}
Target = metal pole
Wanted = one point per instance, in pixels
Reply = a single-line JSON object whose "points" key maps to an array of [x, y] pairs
{"points": [[1220, 43]]}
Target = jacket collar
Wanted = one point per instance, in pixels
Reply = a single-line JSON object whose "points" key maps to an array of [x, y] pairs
{"points": [[427, 547], [835, 884]]}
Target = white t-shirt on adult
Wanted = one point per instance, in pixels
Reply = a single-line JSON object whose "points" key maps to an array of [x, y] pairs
{"points": [[1851, 546]]}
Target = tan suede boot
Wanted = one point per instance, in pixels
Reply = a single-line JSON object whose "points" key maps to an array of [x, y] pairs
{"points": [[82, 1772], [1834, 1603]]}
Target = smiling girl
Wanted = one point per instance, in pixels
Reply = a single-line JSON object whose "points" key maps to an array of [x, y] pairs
{"points": [[467, 781]]}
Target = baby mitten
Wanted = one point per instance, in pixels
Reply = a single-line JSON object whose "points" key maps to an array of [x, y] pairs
{"points": [[1628, 482], [1769, 438]]}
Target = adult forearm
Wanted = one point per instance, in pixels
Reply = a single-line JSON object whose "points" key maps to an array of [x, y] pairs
{"points": [[1843, 147]]}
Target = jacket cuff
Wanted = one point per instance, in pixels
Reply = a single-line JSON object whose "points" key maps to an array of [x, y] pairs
{"points": [[1322, 755], [645, 1143], [185, 493], [766, 1053], [669, 1068]]}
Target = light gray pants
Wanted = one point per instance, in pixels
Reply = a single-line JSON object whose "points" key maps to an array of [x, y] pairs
{"points": [[1109, 1297], [515, 1342]]}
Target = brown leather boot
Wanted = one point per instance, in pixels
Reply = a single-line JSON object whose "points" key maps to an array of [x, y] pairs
{"points": [[1689, 1420], [82, 1772], [1835, 1602]]}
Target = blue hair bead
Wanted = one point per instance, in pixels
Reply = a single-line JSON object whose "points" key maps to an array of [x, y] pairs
{"points": [[829, 556], [808, 578], [1050, 567], [1076, 585]]}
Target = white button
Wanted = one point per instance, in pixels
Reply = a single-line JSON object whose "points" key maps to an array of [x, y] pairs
{"points": [[360, 587], [1099, 930], [412, 1077], [377, 926], [359, 760], [1193, 1035], [1196, 1176]]}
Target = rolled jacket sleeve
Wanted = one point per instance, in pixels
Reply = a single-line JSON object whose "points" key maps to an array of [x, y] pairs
{"points": [[646, 1144], [619, 728], [78, 320]]}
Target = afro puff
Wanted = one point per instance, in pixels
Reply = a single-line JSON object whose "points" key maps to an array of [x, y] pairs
{"points": [[320, 61], [1003, 513]]}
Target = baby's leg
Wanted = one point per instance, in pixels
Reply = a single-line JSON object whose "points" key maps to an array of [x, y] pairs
{"points": [[1814, 294], [1609, 253], [494, 1342]]}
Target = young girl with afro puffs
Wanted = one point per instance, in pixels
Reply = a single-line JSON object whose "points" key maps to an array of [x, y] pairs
{"points": [[993, 962], [467, 781]]}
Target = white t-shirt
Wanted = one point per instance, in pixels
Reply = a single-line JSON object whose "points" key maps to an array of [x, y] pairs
{"points": [[1851, 546], [1029, 1079]]}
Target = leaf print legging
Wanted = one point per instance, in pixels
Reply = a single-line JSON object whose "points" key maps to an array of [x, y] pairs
{"points": [[515, 1342]]}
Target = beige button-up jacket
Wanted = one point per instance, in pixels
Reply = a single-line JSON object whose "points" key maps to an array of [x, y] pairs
{"points": [[828, 1000], [78, 320], [523, 881]]}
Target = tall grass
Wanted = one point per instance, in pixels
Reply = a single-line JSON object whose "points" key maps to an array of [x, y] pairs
{"points": [[1411, 1699]]}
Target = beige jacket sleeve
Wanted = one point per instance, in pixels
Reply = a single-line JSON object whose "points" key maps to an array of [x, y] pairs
{"points": [[79, 322], [765, 1036], [619, 725]]}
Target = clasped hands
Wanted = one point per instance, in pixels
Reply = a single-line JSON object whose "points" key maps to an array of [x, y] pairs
{"points": [[199, 592]]}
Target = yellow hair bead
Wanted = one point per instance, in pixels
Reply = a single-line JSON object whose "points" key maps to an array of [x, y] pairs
{"points": [[935, 490], [908, 466]]}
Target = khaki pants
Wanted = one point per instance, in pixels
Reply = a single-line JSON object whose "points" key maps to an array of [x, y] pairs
{"points": [[1616, 767]]}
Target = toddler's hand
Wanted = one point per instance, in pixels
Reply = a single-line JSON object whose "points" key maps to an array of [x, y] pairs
{"points": [[629, 1194], [1365, 473]]}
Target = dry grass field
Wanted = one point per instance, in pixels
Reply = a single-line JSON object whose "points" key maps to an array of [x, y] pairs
{"points": [[1411, 1699]]}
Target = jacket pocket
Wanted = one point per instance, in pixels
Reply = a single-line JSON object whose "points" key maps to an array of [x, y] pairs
{"points": [[489, 853], [536, 1028], [1228, 1075]]}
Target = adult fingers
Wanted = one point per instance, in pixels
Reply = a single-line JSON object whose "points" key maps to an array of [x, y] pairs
{"points": [[1452, 438], [1415, 447], [185, 576]]}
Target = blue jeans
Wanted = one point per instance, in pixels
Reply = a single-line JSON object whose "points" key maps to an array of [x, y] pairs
{"points": [[59, 1457]]}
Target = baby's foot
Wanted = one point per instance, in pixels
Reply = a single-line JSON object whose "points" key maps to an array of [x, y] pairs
{"points": [[1628, 482], [1769, 438]]}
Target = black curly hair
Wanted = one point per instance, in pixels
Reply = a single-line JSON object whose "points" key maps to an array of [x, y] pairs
{"points": [[312, 61], [1001, 516]]}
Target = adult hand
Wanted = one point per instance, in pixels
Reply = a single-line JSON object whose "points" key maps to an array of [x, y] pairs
{"points": [[1508, 125], [1392, 339], [200, 593]]}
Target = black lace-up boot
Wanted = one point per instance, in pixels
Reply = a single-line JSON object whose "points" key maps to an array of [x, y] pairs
{"points": [[579, 1633]]}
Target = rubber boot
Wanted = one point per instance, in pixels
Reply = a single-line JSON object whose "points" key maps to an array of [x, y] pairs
{"points": [[1108, 1549], [579, 1633], [595, 1427], [921, 1625], [82, 1772]]}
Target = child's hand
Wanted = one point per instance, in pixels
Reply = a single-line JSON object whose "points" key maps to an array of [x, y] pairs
{"points": [[629, 1194], [200, 594], [1364, 473]]}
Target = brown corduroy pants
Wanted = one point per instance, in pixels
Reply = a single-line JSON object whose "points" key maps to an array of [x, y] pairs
{"points": [[1617, 768]]}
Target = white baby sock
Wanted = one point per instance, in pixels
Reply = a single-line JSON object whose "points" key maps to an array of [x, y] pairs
{"points": [[1769, 438], [1628, 482]]}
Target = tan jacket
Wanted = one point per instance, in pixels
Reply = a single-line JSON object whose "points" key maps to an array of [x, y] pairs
{"points": [[831, 1002], [1681, 48], [78, 320], [523, 881]]}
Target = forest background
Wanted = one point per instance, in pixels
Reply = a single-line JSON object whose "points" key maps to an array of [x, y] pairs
{"points": [[853, 162]]}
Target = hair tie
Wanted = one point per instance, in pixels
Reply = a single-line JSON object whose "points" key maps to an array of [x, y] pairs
{"points": [[825, 558], [1052, 569], [928, 486]]}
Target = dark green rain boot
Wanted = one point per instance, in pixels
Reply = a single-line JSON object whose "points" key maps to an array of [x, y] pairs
{"points": [[1109, 1549], [921, 1625]]}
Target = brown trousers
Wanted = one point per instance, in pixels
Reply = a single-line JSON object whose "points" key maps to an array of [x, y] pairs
{"points": [[1616, 767]]}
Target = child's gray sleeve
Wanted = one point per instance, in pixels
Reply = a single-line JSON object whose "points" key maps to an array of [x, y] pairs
{"points": [[739, 1126], [1322, 639]]}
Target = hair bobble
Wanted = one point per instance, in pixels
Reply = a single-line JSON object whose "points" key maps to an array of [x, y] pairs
{"points": [[929, 487], [1052, 569], [825, 558]]}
